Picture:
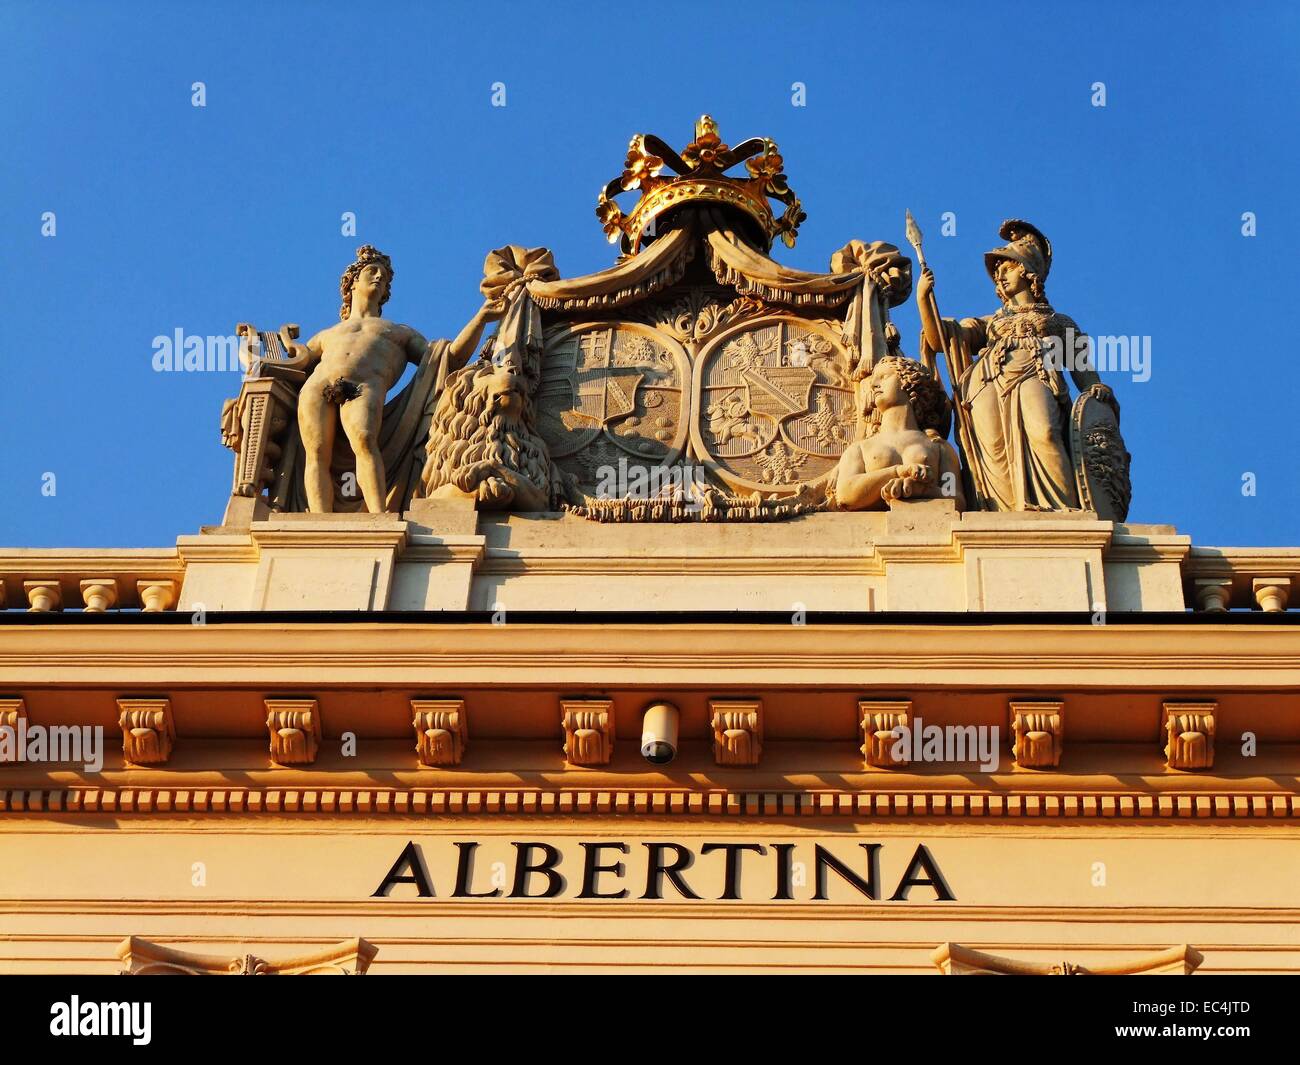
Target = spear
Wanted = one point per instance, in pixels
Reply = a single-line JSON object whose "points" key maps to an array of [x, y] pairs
{"points": [[914, 238], [956, 367]]}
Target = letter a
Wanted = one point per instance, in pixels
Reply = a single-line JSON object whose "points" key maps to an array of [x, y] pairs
{"points": [[411, 859]]}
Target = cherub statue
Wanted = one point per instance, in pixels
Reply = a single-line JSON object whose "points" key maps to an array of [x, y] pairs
{"points": [[904, 454], [353, 365]]}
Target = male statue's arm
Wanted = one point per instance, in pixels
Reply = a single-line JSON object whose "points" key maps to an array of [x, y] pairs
{"points": [[466, 343], [311, 351]]}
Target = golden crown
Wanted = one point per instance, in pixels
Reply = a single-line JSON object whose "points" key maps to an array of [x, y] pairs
{"points": [[701, 177]]}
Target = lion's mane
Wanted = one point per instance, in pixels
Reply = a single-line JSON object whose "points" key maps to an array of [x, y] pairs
{"points": [[465, 430]]}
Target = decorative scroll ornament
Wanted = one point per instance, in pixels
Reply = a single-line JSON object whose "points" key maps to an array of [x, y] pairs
{"points": [[953, 959], [701, 177], [13, 716], [141, 957]]}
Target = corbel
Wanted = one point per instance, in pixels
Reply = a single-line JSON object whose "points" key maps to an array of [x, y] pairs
{"points": [[737, 731], [294, 727], [441, 730]]}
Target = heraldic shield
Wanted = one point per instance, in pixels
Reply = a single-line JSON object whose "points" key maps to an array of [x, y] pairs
{"points": [[613, 396], [773, 404], [766, 406], [1101, 461]]}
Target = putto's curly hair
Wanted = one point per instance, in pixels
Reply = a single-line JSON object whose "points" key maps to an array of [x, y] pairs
{"points": [[930, 403], [366, 254]]}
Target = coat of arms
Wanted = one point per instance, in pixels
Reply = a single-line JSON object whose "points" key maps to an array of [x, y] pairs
{"points": [[612, 393], [773, 404]]}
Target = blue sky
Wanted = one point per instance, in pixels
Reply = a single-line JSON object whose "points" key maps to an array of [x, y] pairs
{"points": [[170, 216]]}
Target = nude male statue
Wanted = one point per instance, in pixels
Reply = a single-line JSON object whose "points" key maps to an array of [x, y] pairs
{"points": [[353, 365]]}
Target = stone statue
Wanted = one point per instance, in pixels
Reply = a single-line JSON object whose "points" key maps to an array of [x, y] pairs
{"points": [[904, 454], [483, 439], [482, 444], [1014, 416], [353, 365]]}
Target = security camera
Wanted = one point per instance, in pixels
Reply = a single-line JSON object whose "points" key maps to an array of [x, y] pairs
{"points": [[659, 733]]}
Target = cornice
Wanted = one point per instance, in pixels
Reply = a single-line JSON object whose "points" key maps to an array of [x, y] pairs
{"points": [[1017, 656]]}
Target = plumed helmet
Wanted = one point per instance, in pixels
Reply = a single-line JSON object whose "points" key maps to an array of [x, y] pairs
{"points": [[1026, 246]]}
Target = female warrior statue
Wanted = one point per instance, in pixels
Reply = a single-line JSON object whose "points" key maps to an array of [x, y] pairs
{"points": [[1016, 404]]}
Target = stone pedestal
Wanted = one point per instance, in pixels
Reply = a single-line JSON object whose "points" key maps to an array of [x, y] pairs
{"points": [[920, 557], [442, 556], [326, 561]]}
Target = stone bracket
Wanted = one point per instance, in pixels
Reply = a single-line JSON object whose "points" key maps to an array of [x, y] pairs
{"points": [[148, 730], [877, 721], [1189, 735], [588, 730], [737, 730], [294, 727], [12, 710], [441, 730], [1037, 733]]}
